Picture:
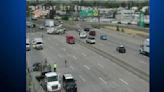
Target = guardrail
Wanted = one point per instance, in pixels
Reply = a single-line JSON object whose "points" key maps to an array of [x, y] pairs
{"points": [[35, 86]]}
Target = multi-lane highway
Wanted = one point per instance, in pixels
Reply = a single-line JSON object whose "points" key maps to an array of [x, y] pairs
{"points": [[93, 71]]}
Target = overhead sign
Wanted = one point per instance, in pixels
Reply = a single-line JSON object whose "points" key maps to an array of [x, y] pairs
{"points": [[88, 13]]}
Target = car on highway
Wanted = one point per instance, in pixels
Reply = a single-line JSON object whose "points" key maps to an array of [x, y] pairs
{"points": [[34, 18], [27, 45], [60, 30], [121, 49], [92, 33], [41, 27], [83, 34], [87, 29], [37, 43], [91, 40], [51, 82], [30, 25], [69, 83], [70, 39], [36, 66], [79, 30], [103, 37]]}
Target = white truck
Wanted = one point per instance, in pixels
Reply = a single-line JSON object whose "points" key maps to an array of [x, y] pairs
{"points": [[145, 48], [51, 82], [55, 30], [49, 23]]}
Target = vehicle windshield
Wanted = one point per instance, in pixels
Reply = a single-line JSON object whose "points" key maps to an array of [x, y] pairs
{"points": [[91, 38], [39, 43], [70, 37], [83, 33], [70, 80], [53, 78], [27, 44]]}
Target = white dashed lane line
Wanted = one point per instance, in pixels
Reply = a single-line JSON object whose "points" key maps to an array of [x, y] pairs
{"points": [[59, 55], [123, 81], [143, 62], [84, 54], [64, 49], [72, 67], [86, 67], [74, 57], [100, 65], [82, 78], [103, 80]]}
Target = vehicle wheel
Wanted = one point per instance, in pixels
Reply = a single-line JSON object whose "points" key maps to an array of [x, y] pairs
{"points": [[140, 51]]}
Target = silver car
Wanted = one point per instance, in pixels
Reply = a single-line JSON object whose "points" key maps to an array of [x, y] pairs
{"points": [[37, 43], [27, 45]]}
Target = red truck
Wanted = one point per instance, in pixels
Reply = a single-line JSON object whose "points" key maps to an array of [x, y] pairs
{"points": [[92, 33], [70, 39]]}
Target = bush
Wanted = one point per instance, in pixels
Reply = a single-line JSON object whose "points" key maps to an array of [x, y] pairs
{"points": [[117, 29], [122, 30], [65, 18]]}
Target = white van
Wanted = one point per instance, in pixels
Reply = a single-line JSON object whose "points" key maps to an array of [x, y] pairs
{"points": [[145, 48], [37, 43]]}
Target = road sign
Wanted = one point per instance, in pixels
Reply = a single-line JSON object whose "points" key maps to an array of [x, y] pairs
{"points": [[88, 13]]}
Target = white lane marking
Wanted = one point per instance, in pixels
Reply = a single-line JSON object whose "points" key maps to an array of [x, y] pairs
{"points": [[82, 78], [86, 67], [143, 62], [72, 67], [63, 49], [123, 81], [74, 57], [100, 65], [103, 80], [59, 55], [84, 54]]}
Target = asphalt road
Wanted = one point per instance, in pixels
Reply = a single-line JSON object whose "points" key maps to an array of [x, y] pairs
{"points": [[132, 56], [93, 72]]}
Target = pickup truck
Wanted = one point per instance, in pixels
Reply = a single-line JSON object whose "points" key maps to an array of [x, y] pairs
{"points": [[69, 83]]}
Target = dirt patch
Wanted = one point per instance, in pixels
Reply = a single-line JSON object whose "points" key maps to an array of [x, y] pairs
{"points": [[129, 31]]}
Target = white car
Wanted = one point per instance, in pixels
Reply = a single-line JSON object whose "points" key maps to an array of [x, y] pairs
{"points": [[27, 45], [29, 24], [91, 40], [41, 27], [51, 82], [83, 34], [50, 30], [37, 43]]}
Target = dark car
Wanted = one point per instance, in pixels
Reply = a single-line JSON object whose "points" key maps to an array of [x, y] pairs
{"points": [[121, 49], [103, 37], [36, 66], [69, 83], [87, 29]]}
